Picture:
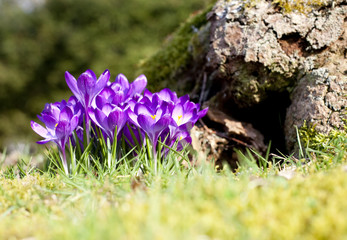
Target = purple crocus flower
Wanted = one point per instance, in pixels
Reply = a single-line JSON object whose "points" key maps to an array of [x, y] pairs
{"points": [[165, 95], [124, 91], [187, 113], [60, 119], [152, 123], [184, 114], [86, 88], [151, 117], [108, 116], [87, 85], [181, 137]]}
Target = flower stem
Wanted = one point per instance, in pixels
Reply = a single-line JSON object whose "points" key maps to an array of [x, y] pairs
{"points": [[64, 160], [155, 158], [87, 131], [87, 128]]}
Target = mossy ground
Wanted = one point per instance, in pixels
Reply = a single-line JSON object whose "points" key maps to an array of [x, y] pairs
{"points": [[205, 206], [253, 203]]}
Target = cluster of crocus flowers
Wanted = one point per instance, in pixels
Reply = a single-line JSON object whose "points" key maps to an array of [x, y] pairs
{"points": [[118, 109]]}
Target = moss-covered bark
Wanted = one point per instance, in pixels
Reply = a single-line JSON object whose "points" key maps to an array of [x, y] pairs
{"points": [[177, 56]]}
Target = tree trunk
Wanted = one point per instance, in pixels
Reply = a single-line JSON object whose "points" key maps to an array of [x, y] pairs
{"points": [[269, 69]]}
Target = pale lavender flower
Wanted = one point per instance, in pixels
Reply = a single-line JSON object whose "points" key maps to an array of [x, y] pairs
{"points": [[60, 119]]}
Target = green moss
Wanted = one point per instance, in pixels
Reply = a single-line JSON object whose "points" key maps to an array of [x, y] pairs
{"points": [[303, 6], [324, 150], [204, 205], [251, 89], [175, 56]]}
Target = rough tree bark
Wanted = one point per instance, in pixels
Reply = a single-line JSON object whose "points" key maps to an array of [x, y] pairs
{"points": [[245, 55], [260, 50]]}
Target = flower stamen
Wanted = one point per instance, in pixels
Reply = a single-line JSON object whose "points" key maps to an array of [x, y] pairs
{"points": [[179, 119]]}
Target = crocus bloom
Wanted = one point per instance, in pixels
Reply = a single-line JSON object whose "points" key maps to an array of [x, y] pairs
{"points": [[86, 88], [108, 117], [184, 114], [125, 91], [181, 136], [60, 119], [152, 121], [165, 95], [152, 117], [187, 112], [87, 85]]}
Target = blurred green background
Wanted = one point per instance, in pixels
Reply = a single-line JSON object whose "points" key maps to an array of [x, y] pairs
{"points": [[41, 39]]}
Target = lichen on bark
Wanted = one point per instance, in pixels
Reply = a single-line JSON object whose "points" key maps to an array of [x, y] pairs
{"points": [[320, 100]]}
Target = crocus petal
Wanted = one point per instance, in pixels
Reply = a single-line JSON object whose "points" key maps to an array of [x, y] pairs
{"points": [[188, 106], [118, 97], [106, 93], [187, 140], [72, 101], [100, 101], [92, 116], [160, 111], [183, 99], [62, 130], [146, 101], [138, 85], [86, 84], [74, 123], [202, 113], [112, 120], [65, 114], [131, 104], [146, 122], [100, 118], [123, 81], [167, 95], [187, 126], [72, 83], [116, 86], [148, 94], [55, 111], [49, 121], [39, 129], [105, 96], [156, 100], [177, 112], [116, 118], [143, 109], [61, 104], [107, 109], [44, 141], [132, 117], [102, 82], [91, 74], [188, 116], [162, 123]]}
